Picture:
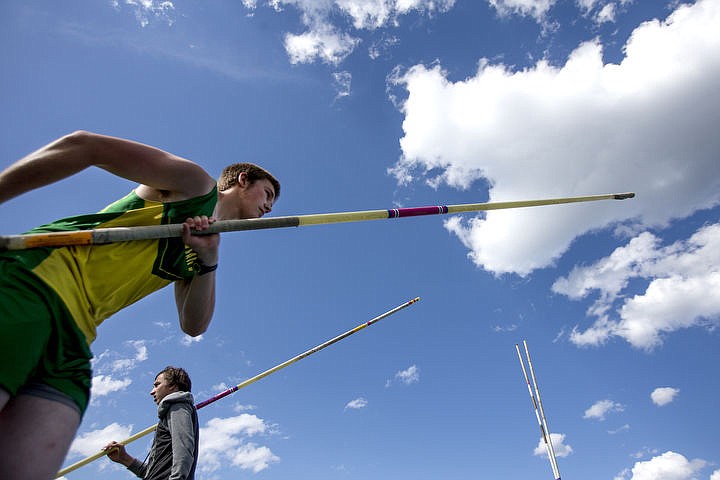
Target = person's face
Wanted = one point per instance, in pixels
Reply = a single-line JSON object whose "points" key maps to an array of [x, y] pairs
{"points": [[161, 388], [249, 200]]}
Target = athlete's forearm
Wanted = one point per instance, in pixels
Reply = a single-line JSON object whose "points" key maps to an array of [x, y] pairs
{"points": [[195, 299]]}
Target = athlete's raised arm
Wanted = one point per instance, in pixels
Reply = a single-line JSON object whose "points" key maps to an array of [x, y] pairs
{"points": [[162, 176]]}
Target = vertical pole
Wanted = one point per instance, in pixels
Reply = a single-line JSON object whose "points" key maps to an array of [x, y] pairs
{"points": [[538, 408]]}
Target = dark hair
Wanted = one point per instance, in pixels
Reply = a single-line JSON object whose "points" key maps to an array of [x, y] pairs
{"points": [[177, 376], [230, 174]]}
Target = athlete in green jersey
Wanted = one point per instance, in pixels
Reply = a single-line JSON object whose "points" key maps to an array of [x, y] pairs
{"points": [[53, 299]]}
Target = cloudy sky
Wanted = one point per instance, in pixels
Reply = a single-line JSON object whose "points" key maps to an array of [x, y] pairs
{"points": [[360, 105]]}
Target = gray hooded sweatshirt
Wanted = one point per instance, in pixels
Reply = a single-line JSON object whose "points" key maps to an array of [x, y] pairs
{"points": [[174, 451]]}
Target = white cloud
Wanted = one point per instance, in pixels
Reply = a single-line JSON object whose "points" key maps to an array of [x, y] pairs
{"points": [[664, 395], [645, 451], [239, 407], [624, 428], [715, 475], [409, 376], [109, 365], [622, 475], [606, 127], [322, 43], [105, 384], [123, 363], [187, 340], [90, 443], [537, 9], [683, 289], [342, 82], [145, 10], [358, 403], [505, 328], [382, 46], [253, 457], [668, 466], [367, 14], [328, 40], [127, 364], [224, 443], [606, 14], [601, 11], [602, 407], [587, 5], [558, 443]]}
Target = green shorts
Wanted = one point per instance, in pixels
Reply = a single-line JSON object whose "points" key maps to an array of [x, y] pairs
{"points": [[42, 351]]}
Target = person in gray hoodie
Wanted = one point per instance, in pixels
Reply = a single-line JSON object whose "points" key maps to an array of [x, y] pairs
{"points": [[174, 451]]}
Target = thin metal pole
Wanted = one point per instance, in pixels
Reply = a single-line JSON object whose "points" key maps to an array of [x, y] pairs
{"points": [[254, 379], [100, 236], [538, 408]]}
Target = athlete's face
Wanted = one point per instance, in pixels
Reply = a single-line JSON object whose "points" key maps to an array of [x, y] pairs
{"points": [[246, 199], [258, 198], [161, 388]]}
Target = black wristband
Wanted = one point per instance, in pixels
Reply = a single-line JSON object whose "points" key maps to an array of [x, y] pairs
{"points": [[203, 269]]}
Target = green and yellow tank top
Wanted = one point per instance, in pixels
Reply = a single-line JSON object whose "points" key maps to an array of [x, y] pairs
{"points": [[95, 281]]}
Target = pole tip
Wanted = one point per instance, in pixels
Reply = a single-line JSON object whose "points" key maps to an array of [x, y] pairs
{"points": [[623, 196]]}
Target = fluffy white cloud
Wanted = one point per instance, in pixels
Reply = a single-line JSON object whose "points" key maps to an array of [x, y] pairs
{"points": [[357, 403], [105, 384], [715, 475], [224, 443], [368, 14], [683, 289], [558, 444], [326, 40], [409, 375], [90, 443], [110, 365], [644, 125], [664, 395], [668, 466], [323, 43], [602, 407], [606, 14]]}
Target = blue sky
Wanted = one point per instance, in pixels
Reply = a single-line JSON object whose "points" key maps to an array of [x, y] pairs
{"points": [[359, 105]]}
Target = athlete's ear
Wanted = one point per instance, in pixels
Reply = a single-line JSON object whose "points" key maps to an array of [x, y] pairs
{"points": [[243, 179]]}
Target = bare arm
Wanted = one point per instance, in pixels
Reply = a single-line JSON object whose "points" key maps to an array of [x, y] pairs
{"points": [[162, 175], [195, 301], [195, 298]]}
